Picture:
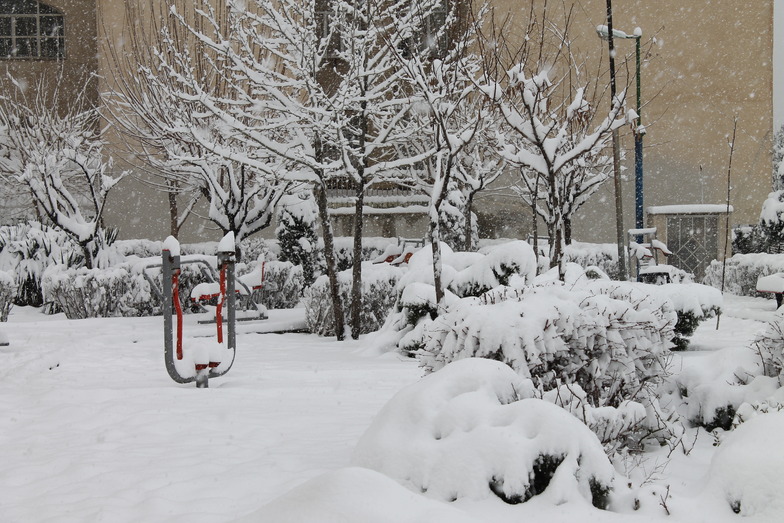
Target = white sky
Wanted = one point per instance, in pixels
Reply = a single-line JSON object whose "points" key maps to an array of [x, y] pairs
{"points": [[778, 63]]}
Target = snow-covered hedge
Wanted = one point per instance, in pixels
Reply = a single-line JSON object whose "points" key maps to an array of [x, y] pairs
{"points": [[602, 255], [8, 288], [121, 290], [610, 338], [372, 247], [284, 284], [27, 249], [743, 270], [378, 298], [466, 432], [711, 393], [94, 293]]}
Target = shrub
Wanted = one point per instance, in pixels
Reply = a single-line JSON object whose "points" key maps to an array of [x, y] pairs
{"points": [[607, 341], [284, 285], [693, 303], [27, 249], [472, 431], [742, 273], [601, 255], [7, 294], [96, 293], [378, 298], [296, 232], [712, 392]]}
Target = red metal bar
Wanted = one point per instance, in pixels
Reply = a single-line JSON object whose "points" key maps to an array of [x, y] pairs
{"points": [[178, 308], [219, 308]]}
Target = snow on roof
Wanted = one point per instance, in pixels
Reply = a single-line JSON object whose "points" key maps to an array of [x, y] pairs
{"points": [[695, 208]]}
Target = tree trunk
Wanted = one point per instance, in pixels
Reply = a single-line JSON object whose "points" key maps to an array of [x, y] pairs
{"points": [[356, 269], [468, 243], [535, 227], [174, 221], [329, 256], [435, 245], [88, 255], [567, 231]]}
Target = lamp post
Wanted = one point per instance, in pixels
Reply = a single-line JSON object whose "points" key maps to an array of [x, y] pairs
{"points": [[604, 33], [620, 235]]}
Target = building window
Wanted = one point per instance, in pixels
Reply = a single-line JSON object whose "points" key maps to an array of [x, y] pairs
{"points": [[30, 29]]}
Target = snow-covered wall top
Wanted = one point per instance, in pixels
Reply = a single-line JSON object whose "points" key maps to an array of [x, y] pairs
{"points": [[697, 208]]}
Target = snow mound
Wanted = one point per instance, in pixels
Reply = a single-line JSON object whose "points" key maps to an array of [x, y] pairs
{"points": [[746, 469], [355, 495], [464, 432]]}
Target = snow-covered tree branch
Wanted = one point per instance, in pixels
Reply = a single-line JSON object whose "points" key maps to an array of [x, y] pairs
{"points": [[555, 131], [53, 148]]}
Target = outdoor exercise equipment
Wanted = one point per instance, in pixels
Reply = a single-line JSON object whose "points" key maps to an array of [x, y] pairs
{"points": [[198, 365]]}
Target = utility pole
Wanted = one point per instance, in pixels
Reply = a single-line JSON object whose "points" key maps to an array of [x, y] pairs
{"points": [[619, 232]]}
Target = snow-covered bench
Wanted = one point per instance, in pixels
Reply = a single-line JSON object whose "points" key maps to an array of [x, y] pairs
{"points": [[772, 283], [399, 253]]}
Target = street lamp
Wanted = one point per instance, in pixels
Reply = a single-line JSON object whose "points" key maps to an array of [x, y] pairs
{"points": [[604, 34]]}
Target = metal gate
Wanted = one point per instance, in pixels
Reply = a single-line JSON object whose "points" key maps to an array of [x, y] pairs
{"points": [[694, 242]]}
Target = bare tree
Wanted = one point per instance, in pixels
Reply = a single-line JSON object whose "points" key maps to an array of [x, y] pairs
{"points": [[58, 156], [554, 130], [316, 85], [441, 82], [169, 105]]}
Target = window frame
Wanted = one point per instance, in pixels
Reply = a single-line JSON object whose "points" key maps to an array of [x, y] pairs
{"points": [[35, 42]]}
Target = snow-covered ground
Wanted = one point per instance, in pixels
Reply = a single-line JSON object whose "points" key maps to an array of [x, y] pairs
{"points": [[93, 429]]}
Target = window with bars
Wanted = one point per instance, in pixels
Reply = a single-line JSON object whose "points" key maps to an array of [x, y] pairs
{"points": [[30, 29]]}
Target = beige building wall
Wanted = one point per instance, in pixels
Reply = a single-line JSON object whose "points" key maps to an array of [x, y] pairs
{"points": [[80, 58], [709, 63]]}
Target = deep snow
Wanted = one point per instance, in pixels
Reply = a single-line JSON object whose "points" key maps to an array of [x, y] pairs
{"points": [[92, 429]]}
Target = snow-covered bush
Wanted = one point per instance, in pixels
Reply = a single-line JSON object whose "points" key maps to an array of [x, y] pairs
{"points": [[378, 298], [284, 284], [465, 432], [121, 290], [7, 294], [463, 273], [772, 218], [96, 293], [605, 342], [742, 273], [747, 239], [693, 303], [601, 255], [745, 471], [452, 219], [27, 249], [610, 338], [712, 392], [296, 232], [769, 345]]}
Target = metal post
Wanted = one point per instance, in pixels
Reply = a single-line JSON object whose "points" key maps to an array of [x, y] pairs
{"points": [[620, 236], [230, 290], [638, 180], [166, 284]]}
